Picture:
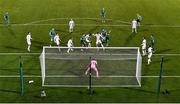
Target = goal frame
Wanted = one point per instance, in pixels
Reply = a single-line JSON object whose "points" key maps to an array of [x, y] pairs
{"points": [[138, 65]]}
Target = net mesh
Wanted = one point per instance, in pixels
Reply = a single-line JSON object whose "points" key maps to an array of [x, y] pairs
{"points": [[118, 67]]}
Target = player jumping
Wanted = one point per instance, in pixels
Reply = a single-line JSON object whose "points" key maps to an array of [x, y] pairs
{"points": [[93, 66], [28, 40], [71, 25]]}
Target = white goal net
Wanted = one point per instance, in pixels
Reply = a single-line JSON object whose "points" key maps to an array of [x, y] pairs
{"points": [[118, 66]]}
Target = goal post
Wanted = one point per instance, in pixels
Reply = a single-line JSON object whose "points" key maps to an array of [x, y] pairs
{"points": [[118, 66], [138, 67], [42, 64]]}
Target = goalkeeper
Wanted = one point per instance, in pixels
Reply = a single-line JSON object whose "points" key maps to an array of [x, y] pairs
{"points": [[93, 66]]}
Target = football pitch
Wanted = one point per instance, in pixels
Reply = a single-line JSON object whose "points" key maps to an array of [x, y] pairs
{"points": [[160, 17]]}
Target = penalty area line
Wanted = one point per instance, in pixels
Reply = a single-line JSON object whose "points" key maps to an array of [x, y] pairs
{"points": [[82, 53], [90, 25]]}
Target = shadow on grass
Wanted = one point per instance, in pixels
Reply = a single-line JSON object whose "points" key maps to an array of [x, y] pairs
{"points": [[61, 31], [141, 90], [163, 51], [39, 44], [11, 31], [9, 91], [13, 48], [130, 37]]}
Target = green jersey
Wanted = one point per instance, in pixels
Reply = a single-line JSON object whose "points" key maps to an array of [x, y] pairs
{"points": [[52, 33], [6, 18], [103, 13]]}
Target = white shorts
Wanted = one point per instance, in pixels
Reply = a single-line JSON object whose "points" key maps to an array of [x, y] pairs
{"points": [[134, 27], [149, 55], [71, 27], [29, 42], [69, 45], [88, 41], [143, 47], [98, 42], [57, 42]]}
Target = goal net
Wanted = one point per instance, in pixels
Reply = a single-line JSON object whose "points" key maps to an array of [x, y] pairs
{"points": [[118, 66]]}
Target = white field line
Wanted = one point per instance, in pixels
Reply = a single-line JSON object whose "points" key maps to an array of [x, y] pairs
{"points": [[45, 24], [1, 54], [38, 23], [93, 25], [52, 19], [110, 59], [73, 76], [92, 86]]}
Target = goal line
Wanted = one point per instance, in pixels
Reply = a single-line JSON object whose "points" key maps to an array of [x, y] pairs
{"points": [[72, 76]]}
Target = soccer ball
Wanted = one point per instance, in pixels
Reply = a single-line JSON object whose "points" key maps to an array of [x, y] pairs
{"points": [[31, 81]]}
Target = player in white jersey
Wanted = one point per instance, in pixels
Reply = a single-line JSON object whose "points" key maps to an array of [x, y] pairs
{"points": [[71, 25], [143, 46], [134, 25], [150, 52], [70, 45], [88, 39], [98, 39], [57, 40], [28, 40]]}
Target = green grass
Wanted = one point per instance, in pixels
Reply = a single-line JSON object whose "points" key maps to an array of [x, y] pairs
{"points": [[154, 12]]}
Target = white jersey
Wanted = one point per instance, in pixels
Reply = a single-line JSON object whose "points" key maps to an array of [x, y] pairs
{"points": [[134, 24], [57, 39], [71, 24], [144, 44], [98, 38], [88, 38], [28, 39], [70, 43], [150, 51]]}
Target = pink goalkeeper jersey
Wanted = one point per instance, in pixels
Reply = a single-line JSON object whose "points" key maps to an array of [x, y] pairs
{"points": [[93, 63]]}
